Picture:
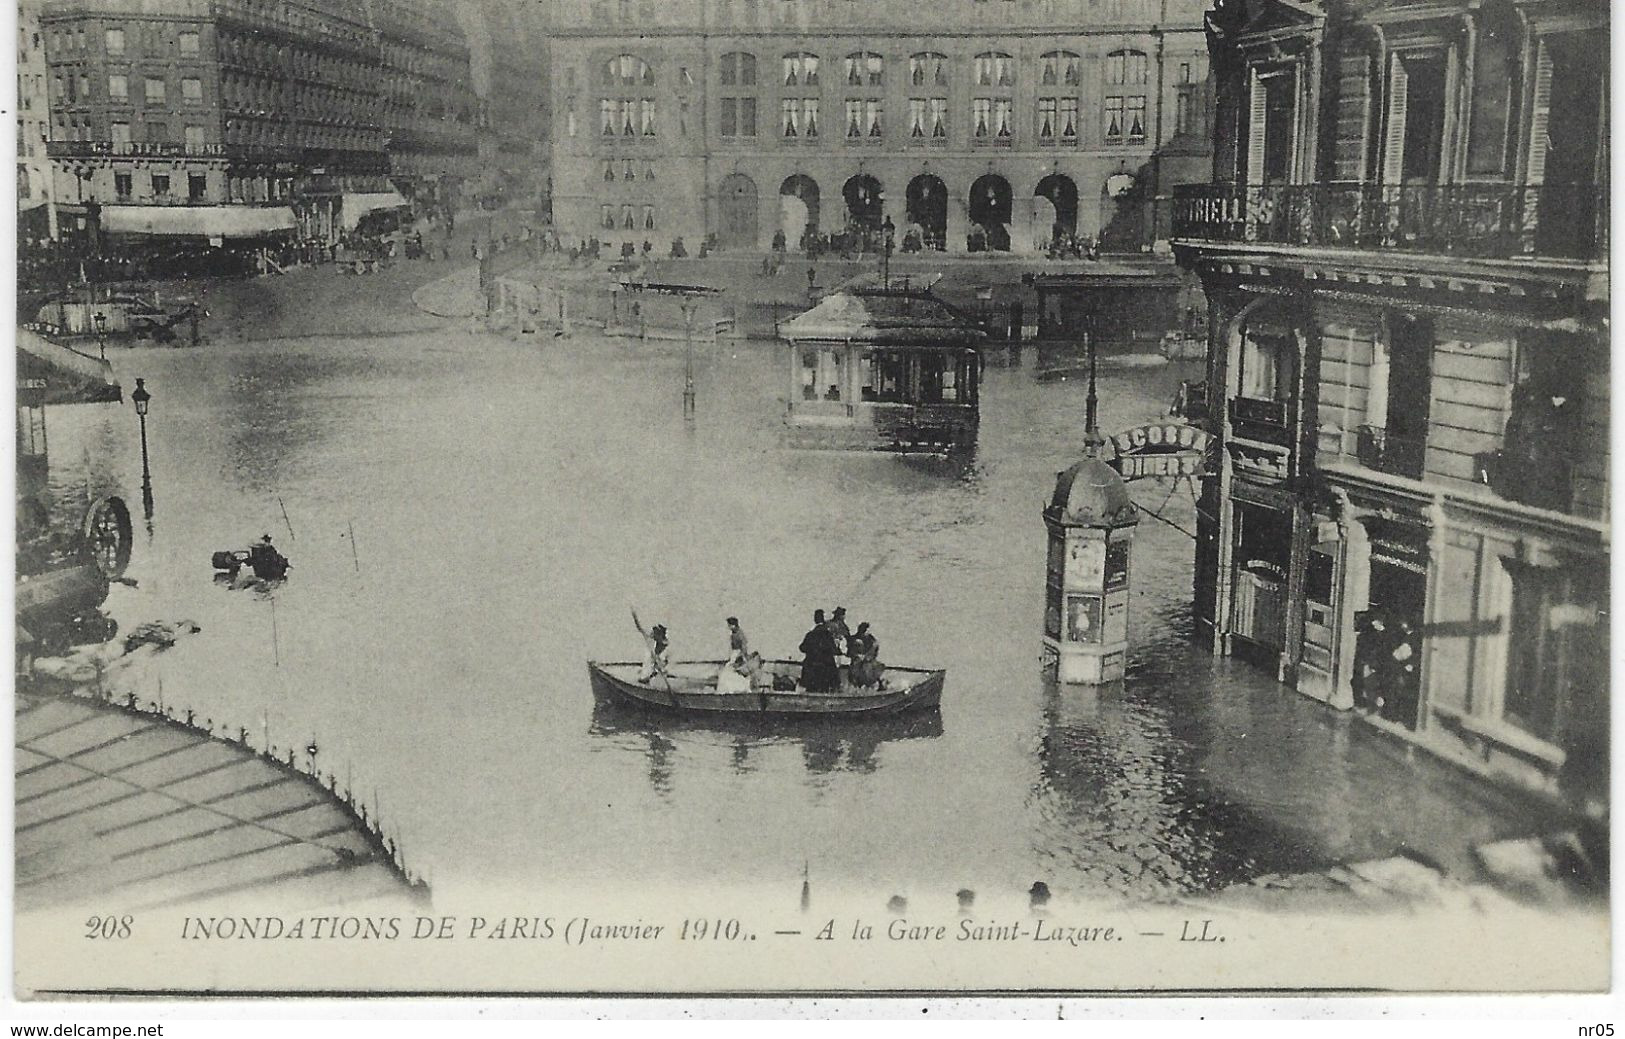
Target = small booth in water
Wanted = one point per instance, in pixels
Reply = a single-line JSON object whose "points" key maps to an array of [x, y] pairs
{"points": [[880, 369]]}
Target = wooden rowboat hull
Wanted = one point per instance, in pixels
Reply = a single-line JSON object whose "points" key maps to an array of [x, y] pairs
{"points": [[687, 692]]}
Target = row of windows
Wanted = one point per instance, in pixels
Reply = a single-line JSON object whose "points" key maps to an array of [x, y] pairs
{"points": [[153, 39], [789, 12], [992, 118], [628, 170], [627, 217], [121, 133], [197, 186], [298, 62], [154, 89], [868, 69], [328, 102]]}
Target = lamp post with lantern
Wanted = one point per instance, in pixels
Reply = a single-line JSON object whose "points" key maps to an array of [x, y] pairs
{"points": [[143, 401], [688, 305], [890, 231]]}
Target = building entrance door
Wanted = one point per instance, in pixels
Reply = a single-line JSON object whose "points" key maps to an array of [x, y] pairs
{"points": [[738, 228], [1262, 556]]}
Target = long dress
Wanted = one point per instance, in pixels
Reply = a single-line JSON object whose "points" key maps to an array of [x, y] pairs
{"points": [[866, 667], [738, 675], [818, 671], [655, 662]]}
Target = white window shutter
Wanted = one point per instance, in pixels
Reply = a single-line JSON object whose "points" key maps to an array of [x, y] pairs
{"points": [[1258, 113], [1393, 152], [1540, 113]]}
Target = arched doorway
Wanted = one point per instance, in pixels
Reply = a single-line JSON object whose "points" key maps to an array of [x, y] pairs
{"points": [[737, 229], [865, 203], [1062, 195], [1122, 214], [798, 208], [927, 212], [989, 215]]}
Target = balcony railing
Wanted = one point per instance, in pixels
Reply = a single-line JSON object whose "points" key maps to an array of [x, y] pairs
{"points": [[1265, 421], [1379, 449], [1476, 220], [134, 149]]}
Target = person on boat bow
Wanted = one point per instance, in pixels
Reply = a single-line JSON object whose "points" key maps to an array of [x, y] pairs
{"points": [[819, 673], [659, 651]]}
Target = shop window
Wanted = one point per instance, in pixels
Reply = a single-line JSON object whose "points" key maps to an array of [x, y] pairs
{"points": [[197, 187], [1554, 647]]}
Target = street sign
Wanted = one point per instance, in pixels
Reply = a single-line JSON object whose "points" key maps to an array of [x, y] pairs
{"points": [[1160, 449]]}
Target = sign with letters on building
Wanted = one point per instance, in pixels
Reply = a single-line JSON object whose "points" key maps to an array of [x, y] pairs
{"points": [[1160, 449]]}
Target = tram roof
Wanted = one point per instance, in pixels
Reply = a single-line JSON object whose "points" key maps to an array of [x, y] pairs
{"points": [[879, 316]]}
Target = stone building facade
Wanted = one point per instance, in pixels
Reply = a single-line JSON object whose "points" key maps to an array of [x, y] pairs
{"points": [[1004, 126], [33, 123], [1405, 256], [289, 105]]}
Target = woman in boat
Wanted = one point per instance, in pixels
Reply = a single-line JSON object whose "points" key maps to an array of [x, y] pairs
{"points": [[739, 673], [865, 652], [659, 651], [818, 671]]}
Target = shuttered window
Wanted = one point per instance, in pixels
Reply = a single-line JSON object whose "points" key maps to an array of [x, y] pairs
{"points": [[1393, 152], [1540, 115]]}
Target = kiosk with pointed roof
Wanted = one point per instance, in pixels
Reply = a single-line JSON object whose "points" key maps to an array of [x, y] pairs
{"points": [[1091, 521]]}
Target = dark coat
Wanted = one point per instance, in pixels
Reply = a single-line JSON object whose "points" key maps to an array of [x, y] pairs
{"points": [[818, 670]]}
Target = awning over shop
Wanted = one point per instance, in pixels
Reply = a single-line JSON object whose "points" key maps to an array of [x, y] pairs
{"points": [[359, 204], [50, 373], [198, 221]]}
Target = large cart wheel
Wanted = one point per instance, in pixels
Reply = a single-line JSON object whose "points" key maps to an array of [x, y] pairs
{"points": [[108, 536]]}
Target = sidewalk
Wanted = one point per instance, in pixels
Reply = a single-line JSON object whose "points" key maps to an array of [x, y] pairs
{"points": [[456, 295], [113, 801]]}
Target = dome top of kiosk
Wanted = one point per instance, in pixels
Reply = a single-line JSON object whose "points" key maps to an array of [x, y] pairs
{"points": [[1093, 494]]}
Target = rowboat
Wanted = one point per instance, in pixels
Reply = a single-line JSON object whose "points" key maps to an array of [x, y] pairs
{"points": [[691, 688]]}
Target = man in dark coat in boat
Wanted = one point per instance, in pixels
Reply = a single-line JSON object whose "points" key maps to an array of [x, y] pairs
{"points": [[818, 671]]}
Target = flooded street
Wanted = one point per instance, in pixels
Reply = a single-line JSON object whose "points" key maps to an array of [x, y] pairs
{"points": [[471, 519]]}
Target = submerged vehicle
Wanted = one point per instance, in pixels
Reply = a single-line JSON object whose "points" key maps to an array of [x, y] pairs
{"points": [[261, 557]]}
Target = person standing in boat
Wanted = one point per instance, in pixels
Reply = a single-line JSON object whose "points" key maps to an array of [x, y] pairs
{"points": [[738, 675], [864, 649], [839, 631], [659, 650], [818, 671]]}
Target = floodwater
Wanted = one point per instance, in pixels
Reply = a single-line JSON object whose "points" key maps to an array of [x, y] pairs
{"points": [[472, 518]]}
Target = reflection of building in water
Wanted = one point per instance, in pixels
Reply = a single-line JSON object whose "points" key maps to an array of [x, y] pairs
{"points": [[1405, 250], [64, 562]]}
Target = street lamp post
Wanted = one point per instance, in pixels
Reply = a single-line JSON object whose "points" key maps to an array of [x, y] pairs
{"points": [[890, 230], [1093, 442], [142, 401], [688, 363]]}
